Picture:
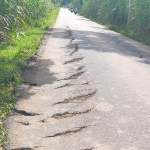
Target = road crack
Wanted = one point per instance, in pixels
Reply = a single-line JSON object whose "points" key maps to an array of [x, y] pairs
{"points": [[71, 40], [75, 50], [22, 112], [73, 60], [74, 76], [24, 123], [80, 97], [77, 129], [65, 85], [80, 68], [22, 148], [29, 83], [68, 114]]}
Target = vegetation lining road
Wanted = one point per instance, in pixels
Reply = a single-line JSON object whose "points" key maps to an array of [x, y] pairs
{"points": [[18, 45], [129, 17]]}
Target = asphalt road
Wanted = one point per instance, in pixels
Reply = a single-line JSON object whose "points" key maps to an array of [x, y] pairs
{"points": [[87, 89]]}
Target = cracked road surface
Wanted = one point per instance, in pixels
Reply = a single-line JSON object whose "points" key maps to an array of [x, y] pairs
{"points": [[87, 89]]}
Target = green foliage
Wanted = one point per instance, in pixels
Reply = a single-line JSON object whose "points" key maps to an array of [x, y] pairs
{"points": [[134, 14], [16, 15], [13, 58], [106, 11], [74, 3], [2, 133]]}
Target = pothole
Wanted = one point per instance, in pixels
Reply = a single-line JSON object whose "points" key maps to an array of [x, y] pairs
{"points": [[69, 31], [80, 97], [86, 83], [68, 114], [24, 113], [24, 123], [65, 85], [29, 83], [71, 40], [74, 76], [75, 50], [33, 58], [38, 146], [68, 132], [73, 60], [80, 68], [141, 56], [22, 148]]}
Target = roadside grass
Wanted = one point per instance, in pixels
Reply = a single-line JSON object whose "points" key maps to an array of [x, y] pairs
{"points": [[13, 58], [124, 30]]}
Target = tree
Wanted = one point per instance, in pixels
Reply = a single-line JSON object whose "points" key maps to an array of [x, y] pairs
{"points": [[130, 13]]}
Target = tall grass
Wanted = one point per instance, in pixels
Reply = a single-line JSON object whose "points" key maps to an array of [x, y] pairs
{"points": [[133, 15], [18, 14]]}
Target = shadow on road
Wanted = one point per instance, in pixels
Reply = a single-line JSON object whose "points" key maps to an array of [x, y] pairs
{"points": [[39, 73], [108, 41], [35, 75]]}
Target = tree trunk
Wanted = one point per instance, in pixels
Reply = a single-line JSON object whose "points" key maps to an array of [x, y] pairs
{"points": [[130, 14]]}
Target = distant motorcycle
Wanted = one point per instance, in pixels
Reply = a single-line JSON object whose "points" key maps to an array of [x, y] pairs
{"points": [[75, 11], [71, 9]]}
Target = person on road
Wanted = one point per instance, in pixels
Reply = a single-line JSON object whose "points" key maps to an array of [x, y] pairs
{"points": [[75, 10]]}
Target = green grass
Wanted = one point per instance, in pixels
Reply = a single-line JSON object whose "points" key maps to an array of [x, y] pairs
{"points": [[143, 38], [13, 58], [130, 18]]}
